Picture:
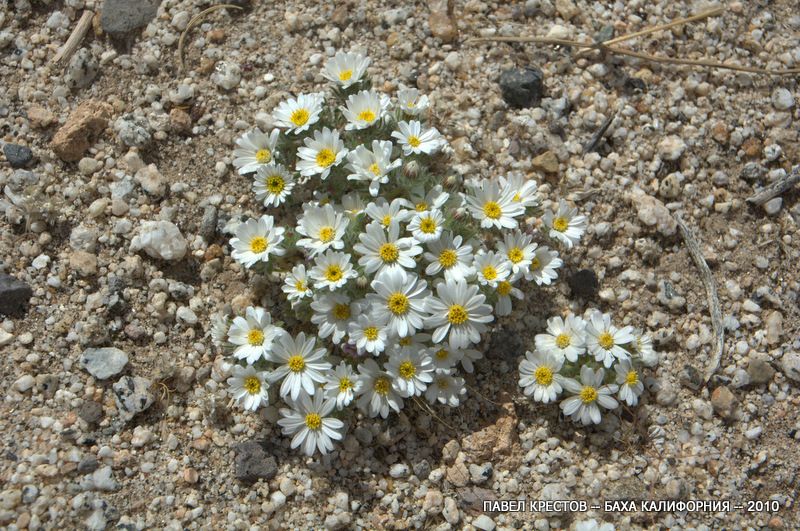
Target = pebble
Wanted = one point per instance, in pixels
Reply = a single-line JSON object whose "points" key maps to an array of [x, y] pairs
{"points": [[484, 522], [91, 412], [522, 87], [399, 470], [5, 338], [653, 213], [141, 436], [102, 479], [160, 239], [132, 395], [186, 315], [227, 75], [18, 156], [760, 372], [23, 383], [433, 502], [790, 363], [546, 162], [88, 165], [120, 17], [77, 134], [103, 363], [82, 69], [723, 401], [84, 263], [782, 99], [450, 511], [480, 473], [253, 463], [671, 147], [753, 433], [442, 25], [14, 295], [773, 206], [151, 180], [774, 325], [133, 130]]}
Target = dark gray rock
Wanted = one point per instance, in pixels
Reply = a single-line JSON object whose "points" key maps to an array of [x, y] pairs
{"points": [[253, 462], [88, 464], [91, 412], [522, 87], [691, 378], [584, 283], [760, 371], [121, 17], [208, 227], [18, 156], [103, 363], [14, 295]]}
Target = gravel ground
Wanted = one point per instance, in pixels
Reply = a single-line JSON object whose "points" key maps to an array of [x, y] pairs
{"points": [[147, 440]]}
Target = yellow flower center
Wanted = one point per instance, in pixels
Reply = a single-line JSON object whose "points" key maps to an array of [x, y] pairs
{"points": [[325, 157], [326, 234], [275, 184], [535, 263], [263, 156], [345, 75], [313, 421], [389, 252], [386, 220], [371, 333], [258, 244], [382, 385], [448, 258], [414, 141], [333, 273], [560, 224], [606, 340], [252, 385], [255, 337], [345, 384], [375, 169], [407, 370], [517, 197], [515, 255], [632, 378], [442, 383], [367, 115], [296, 363], [411, 104], [300, 285], [543, 375], [562, 340], [489, 273], [504, 288], [457, 314], [588, 394], [442, 354], [492, 210], [404, 341], [299, 117], [341, 312], [421, 207], [397, 303], [427, 225]]}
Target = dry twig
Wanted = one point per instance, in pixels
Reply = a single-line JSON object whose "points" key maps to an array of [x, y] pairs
{"points": [[74, 41], [776, 188], [711, 294], [196, 20]]}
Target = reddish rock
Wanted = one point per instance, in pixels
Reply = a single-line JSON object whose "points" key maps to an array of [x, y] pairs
{"points": [[76, 136], [497, 438], [40, 117], [441, 21]]}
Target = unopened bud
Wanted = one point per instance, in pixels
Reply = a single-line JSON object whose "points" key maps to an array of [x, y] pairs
{"points": [[411, 169]]}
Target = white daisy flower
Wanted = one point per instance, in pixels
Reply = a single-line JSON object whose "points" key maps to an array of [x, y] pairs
{"points": [[219, 328], [346, 69], [630, 385], [400, 299], [468, 356], [368, 333], [493, 207], [321, 153], [565, 224], [415, 140], [248, 387], [295, 285], [272, 184], [543, 266], [352, 205], [449, 255], [255, 240], [300, 366], [446, 388], [411, 371], [590, 393], [386, 213], [310, 424], [642, 348], [566, 338], [445, 357], [341, 385], [418, 341], [385, 252], [491, 268], [539, 376], [410, 102], [332, 270], [253, 334], [373, 166], [323, 228], [605, 341], [433, 200], [519, 250], [505, 290], [427, 226], [459, 311], [522, 190], [255, 150], [378, 397], [332, 314], [298, 114], [364, 109]]}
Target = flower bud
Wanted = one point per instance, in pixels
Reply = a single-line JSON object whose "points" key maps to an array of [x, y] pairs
{"points": [[411, 169]]}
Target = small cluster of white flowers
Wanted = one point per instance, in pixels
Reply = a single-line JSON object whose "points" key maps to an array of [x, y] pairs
{"points": [[395, 269], [575, 357]]}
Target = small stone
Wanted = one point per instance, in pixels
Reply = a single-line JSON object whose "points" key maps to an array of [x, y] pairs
{"points": [[121, 17], [484, 522], [141, 436], [180, 121], [184, 379], [690, 377], [480, 473], [458, 475], [675, 489], [450, 451], [132, 395], [190, 475], [18, 156], [773, 206], [84, 263], [652, 212], [790, 363], [77, 134], [40, 117], [398, 470], [753, 433], [88, 464], [82, 69], [160, 239], [546, 162], [719, 132], [91, 412], [568, 10], [774, 325], [10, 498], [433, 502], [151, 180], [671, 147], [253, 463], [133, 130], [208, 226], [103, 363], [584, 283], [186, 315], [670, 186], [23, 383], [723, 401], [5, 338], [760, 372], [522, 87], [14, 295], [227, 75], [442, 23], [450, 511], [88, 165], [752, 147], [103, 480], [782, 99]]}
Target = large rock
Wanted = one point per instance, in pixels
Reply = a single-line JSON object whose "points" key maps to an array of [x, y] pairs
{"points": [[132, 395], [160, 239], [103, 363], [75, 137], [253, 462], [522, 87], [121, 17], [14, 295]]}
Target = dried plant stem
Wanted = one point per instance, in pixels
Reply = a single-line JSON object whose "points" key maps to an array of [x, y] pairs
{"points": [[776, 188], [194, 21], [428, 409], [711, 294], [74, 40]]}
